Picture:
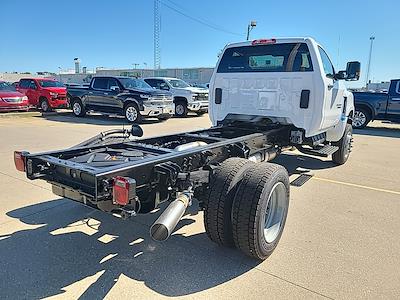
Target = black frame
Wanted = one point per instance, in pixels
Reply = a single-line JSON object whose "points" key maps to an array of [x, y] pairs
{"points": [[164, 174]]}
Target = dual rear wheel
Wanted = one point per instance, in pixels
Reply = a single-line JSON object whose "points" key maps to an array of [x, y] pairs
{"points": [[246, 206]]}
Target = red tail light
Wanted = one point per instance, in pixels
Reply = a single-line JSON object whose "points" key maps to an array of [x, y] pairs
{"points": [[263, 42], [124, 190], [19, 160]]}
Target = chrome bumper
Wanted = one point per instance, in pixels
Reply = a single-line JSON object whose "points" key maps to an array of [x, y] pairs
{"points": [[198, 106], [156, 110]]}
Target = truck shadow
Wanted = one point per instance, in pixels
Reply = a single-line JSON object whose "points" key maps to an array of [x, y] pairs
{"points": [[70, 247], [293, 162], [379, 131], [94, 119]]}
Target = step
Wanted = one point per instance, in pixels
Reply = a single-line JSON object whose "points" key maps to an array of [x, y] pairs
{"points": [[323, 151], [302, 179]]}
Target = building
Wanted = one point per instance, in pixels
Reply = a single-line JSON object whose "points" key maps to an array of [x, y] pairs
{"points": [[378, 86], [190, 75]]}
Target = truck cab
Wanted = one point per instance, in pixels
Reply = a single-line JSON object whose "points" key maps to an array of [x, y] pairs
{"points": [[372, 106], [288, 81], [186, 97]]}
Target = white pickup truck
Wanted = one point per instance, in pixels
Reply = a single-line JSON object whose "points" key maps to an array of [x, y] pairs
{"points": [[290, 81], [186, 97]]}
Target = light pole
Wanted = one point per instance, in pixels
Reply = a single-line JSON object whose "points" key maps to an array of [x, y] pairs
{"points": [[59, 72], [250, 28], [135, 65], [372, 38]]}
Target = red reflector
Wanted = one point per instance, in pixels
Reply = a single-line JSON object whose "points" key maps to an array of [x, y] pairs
{"points": [[19, 161], [263, 42], [123, 190]]}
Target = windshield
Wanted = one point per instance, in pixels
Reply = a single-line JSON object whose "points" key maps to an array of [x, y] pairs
{"points": [[5, 86], [177, 83], [133, 83], [50, 83]]}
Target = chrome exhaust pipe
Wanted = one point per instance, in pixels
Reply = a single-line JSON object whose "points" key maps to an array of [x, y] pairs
{"points": [[167, 221]]}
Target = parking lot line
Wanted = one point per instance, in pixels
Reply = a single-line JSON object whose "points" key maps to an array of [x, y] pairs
{"points": [[357, 185]]}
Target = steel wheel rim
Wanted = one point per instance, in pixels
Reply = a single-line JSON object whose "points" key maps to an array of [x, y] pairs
{"points": [[359, 118], [179, 109], [131, 114], [76, 108], [275, 212]]}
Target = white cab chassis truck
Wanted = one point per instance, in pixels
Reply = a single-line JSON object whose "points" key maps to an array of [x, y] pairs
{"points": [[186, 98], [265, 96]]}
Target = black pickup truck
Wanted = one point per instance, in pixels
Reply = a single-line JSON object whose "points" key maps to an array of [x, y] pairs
{"points": [[377, 106], [130, 97]]}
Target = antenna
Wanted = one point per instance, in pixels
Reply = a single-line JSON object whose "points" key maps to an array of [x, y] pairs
{"points": [[157, 29]]}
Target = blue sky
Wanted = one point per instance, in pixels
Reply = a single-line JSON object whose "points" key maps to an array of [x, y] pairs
{"points": [[45, 35]]}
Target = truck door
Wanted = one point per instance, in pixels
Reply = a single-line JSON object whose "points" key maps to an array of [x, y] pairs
{"points": [[393, 108], [110, 98], [334, 90], [98, 91]]}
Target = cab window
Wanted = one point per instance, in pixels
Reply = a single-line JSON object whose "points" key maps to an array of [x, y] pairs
{"points": [[100, 83], [282, 57], [326, 64], [24, 84]]}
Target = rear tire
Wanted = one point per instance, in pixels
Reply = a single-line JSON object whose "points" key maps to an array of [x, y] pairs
{"points": [[260, 209], [219, 199], [361, 118], [344, 144], [77, 108], [181, 109]]}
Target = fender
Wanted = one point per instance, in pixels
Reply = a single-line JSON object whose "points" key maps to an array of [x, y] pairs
{"points": [[368, 106], [130, 99]]}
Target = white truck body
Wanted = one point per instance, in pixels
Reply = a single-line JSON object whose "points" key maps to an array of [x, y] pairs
{"points": [[195, 99], [268, 78]]}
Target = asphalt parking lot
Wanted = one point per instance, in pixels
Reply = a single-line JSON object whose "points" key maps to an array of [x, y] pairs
{"points": [[341, 238]]}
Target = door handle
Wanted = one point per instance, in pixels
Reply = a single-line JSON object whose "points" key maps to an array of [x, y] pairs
{"points": [[90, 93], [330, 86], [396, 99]]}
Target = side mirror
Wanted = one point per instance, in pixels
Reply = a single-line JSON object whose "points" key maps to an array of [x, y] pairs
{"points": [[341, 75], [115, 89], [353, 70], [136, 130]]}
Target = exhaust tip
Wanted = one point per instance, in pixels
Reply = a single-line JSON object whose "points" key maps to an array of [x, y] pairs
{"points": [[159, 232]]}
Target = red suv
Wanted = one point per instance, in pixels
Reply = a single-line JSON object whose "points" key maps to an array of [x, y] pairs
{"points": [[44, 93]]}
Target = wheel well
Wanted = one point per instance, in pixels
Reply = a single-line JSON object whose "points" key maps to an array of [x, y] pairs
{"points": [[368, 109], [350, 118], [180, 99], [74, 99], [131, 101], [42, 98]]}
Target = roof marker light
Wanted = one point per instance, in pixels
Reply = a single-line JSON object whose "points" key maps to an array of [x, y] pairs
{"points": [[263, 42]]}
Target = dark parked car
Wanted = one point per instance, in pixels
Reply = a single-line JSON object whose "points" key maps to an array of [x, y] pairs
{"points": [[130, 97], [377, 106]]}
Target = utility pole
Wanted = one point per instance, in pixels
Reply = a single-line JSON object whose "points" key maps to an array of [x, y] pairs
{"points": [[157, 28], [250, 28], [372, 38]]}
